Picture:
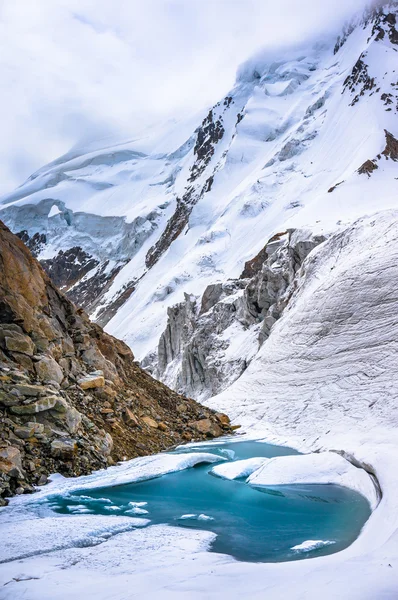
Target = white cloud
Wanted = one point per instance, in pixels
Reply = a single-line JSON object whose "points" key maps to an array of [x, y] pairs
{"points": [[84, 69]]}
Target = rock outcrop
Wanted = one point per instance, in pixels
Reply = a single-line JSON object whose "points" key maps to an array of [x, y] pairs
{"points": [[72, 398], [200, 351]]}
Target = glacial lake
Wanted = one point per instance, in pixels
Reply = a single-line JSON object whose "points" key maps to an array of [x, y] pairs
{"points": [[257, 525]]}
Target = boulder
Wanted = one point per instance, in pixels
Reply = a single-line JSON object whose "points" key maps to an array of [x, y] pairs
{"points": [[207, 427], [47, 369], [223, 418], [10, 462], [68, 415], [73, 419], [25, 389], [95, 380], [7, 328], [7, 399], [23, 360], [150, 422], [35, 407], [18, 342], [64, 449], [130, 418], [29, 430], [105, 445]]}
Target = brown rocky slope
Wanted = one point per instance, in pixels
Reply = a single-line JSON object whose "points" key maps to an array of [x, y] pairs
{"points": [[72, 399]]}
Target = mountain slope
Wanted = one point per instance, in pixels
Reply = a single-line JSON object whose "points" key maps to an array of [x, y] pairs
{"points": [[300, 141], [72, 399]]}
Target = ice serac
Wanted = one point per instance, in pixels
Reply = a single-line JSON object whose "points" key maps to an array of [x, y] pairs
{"points": [[305, 139], [209, 342], [72, 398]]}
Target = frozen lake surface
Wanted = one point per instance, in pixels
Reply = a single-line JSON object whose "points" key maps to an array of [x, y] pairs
{"points": [[278, 523]]}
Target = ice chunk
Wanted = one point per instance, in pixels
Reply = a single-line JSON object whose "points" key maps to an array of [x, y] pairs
{"points": [[309, 545], [195, 517], [136, 511], [78, 509], [239, 468], [228, 453]]}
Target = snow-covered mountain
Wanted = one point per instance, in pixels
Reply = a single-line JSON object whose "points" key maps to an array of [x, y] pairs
{"points": [[304, 144]]}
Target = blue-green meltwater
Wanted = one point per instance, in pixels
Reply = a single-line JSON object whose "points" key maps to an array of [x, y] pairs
{"points": [[279, 524]]}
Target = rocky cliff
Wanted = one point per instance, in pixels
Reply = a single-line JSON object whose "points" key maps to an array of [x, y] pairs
{"points": [[72, 399]]}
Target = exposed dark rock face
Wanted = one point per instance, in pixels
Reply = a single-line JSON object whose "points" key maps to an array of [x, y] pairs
{"points": [[253, 266], [208, 135], [72, 398], [385, 24], [330, 190], [174, 227], [341, 40], [384, 30], [390, 152], [35, 243], [391, 149], [359, 81], [68, 267], [88, 293], [93, 248], [106, 312], [269, 291], [368, 167]]}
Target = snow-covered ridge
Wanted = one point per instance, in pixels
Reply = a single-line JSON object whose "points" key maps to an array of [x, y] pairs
{"points": [[159, 217]]}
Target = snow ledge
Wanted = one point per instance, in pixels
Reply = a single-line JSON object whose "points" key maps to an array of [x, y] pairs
{"points": [[317, 468]]}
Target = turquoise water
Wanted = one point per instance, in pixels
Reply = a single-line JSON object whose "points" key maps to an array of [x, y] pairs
{"points": [[251, 524]]}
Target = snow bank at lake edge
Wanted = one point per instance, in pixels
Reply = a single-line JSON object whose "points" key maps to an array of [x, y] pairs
{"points": [[318, 468]]}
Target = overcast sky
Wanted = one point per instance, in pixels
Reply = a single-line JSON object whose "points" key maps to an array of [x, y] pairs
{"points": [[73, 70]]}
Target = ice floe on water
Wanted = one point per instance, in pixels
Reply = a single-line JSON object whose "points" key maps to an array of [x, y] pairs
{"points": [[136, 511], [137, 508], [309, 545], [78, 509], [91, 499], [195, 517]]}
